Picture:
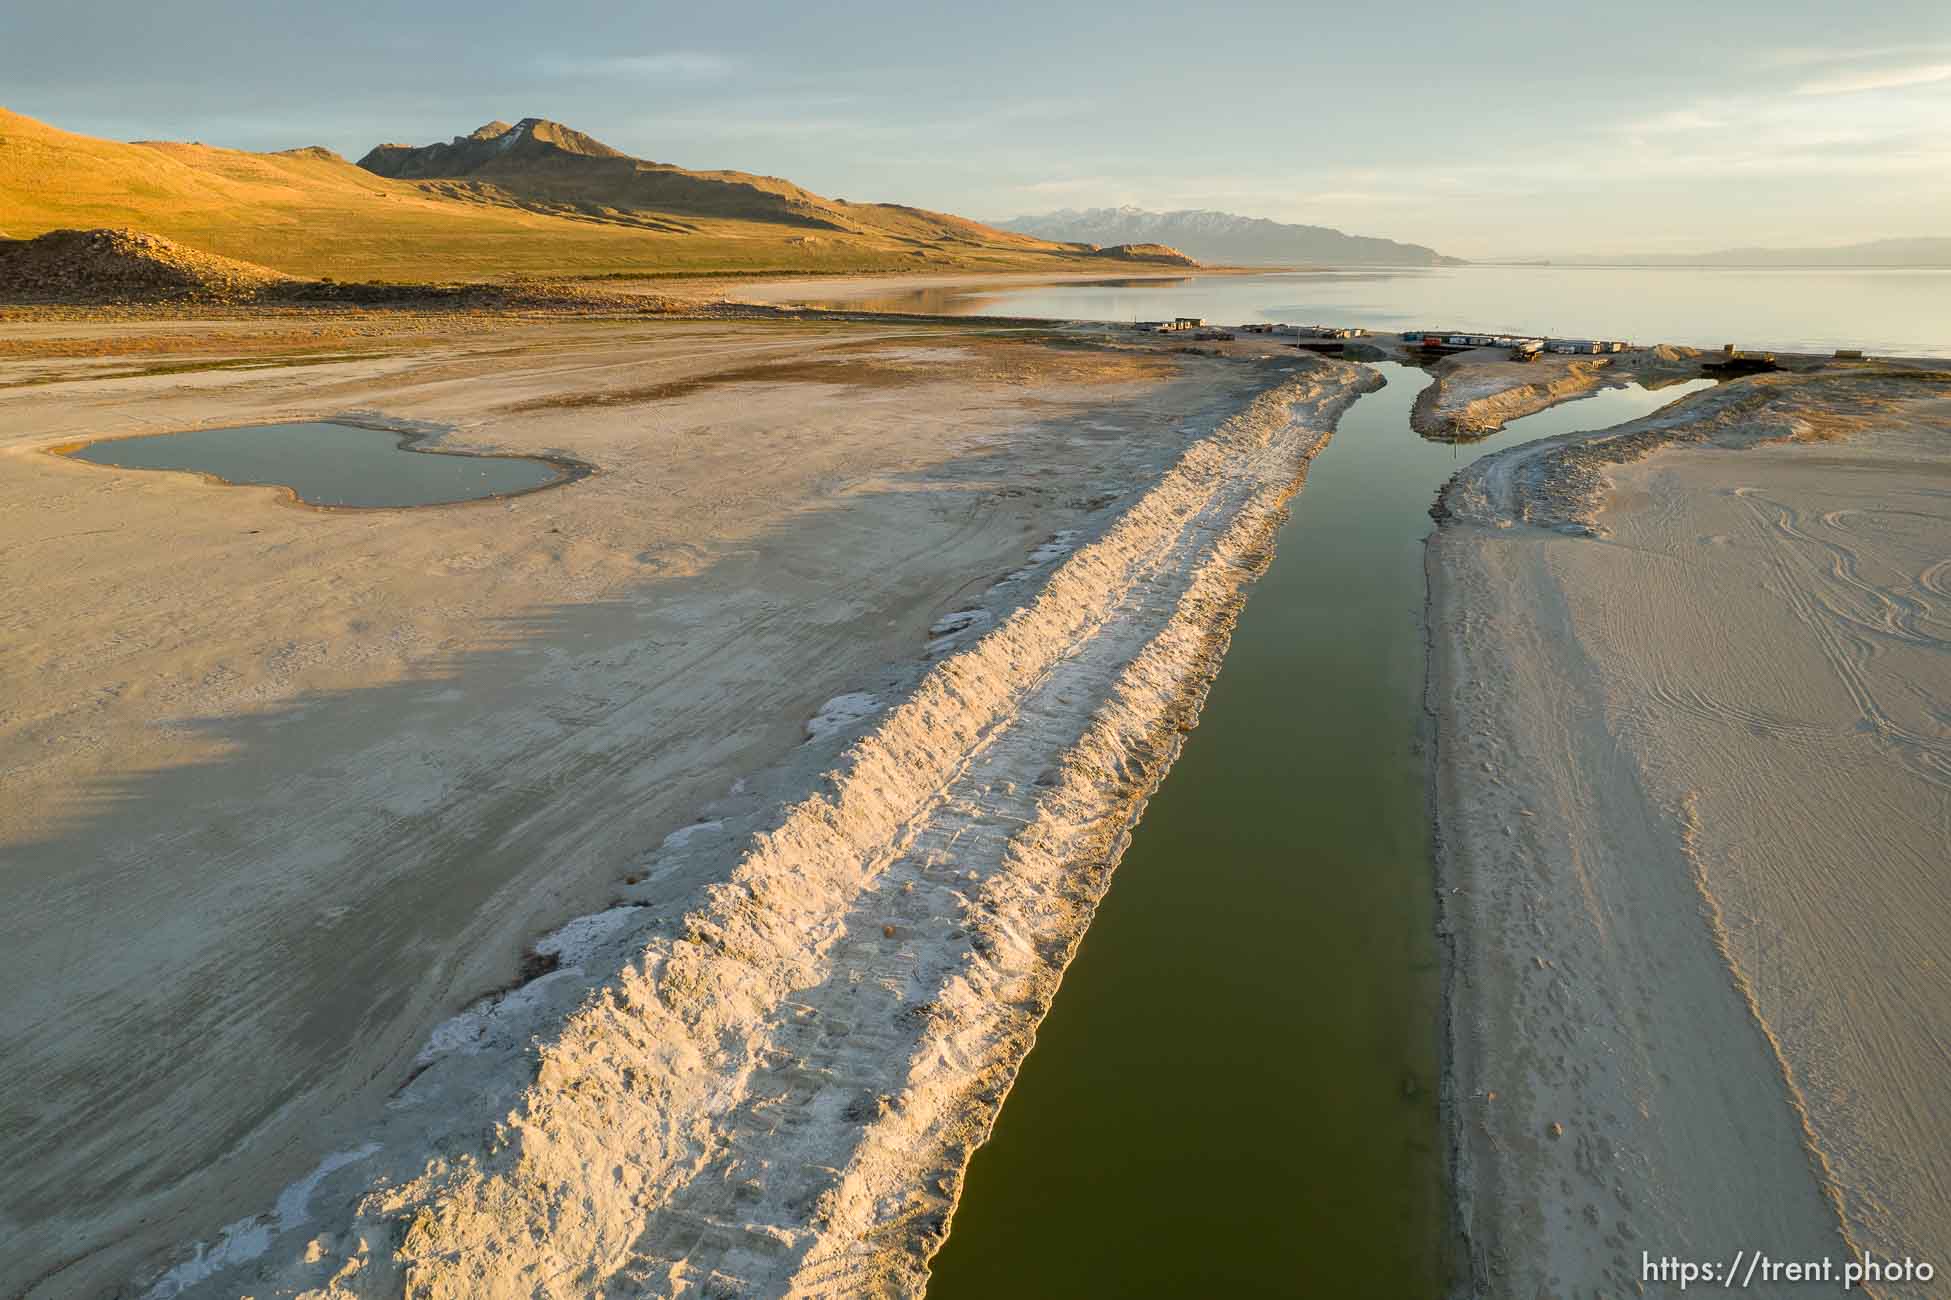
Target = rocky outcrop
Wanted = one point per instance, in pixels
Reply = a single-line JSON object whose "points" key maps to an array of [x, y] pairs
{"points": [[530, 140], [1157, 253], [314, 152]]}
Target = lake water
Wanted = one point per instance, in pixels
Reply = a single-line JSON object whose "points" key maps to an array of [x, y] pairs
{"points": [[1884, 312], [1235, 1093], [329, 464]]}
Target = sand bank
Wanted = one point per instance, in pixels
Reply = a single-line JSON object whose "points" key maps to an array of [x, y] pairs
{"points": [[288, 791], [1478, 393], [1692, 806]]}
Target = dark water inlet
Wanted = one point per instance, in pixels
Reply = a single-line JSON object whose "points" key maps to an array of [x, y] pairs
{"points": [[1235, 1092], [328, 464]]}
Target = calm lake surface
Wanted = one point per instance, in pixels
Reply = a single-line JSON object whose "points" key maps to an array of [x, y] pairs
{"points": [[329, 464], [1885, 312], [1235, 1092]]}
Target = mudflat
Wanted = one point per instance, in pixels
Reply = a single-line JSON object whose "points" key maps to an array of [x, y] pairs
{"points": [[286, 788], [1691, 679]]}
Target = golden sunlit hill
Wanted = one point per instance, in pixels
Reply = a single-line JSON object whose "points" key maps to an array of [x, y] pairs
{"points": [[534, 199]]}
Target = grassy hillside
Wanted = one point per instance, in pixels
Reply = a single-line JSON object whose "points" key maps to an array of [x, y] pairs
{"points": [[309, 212]]}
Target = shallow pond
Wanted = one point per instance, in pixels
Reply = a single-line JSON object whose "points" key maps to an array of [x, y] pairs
{"points": [[1235, 1092], [328, 464]]}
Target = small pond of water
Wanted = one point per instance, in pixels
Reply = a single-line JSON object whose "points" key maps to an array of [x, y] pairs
{"points": [[328, 464]]}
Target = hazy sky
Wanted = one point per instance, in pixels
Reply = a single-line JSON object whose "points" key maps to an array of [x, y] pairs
{"points": [[1480, 128]]}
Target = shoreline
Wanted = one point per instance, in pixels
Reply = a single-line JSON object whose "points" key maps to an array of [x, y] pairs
{"points": [[349, 807], [1476, 394], [781, 923], [1111, 429], [1579, 906], [1609, 1036]]}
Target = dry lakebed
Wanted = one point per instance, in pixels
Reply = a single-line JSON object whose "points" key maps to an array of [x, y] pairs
{"points": [[649, 879]]}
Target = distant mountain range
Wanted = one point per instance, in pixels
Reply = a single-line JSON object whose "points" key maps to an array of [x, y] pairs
{"points": [[1929, 251], [534, 199], [546, 166], [1226, 238]]}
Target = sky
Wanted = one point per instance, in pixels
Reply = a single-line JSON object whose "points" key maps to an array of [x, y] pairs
{"points": [[1482, 129]]}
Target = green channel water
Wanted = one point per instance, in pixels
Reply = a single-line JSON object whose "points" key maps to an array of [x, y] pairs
{"points": [[1235, 1091], [328, 464]]}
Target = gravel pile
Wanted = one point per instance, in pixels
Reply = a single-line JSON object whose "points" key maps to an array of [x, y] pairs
{"points": [[72, 266]]}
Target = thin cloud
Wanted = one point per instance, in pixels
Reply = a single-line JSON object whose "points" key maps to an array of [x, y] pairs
{"points": [[1887, 79], [1070, 185], [1813, 56], [1364, 197], [858, 120], [1679, 119], [1811, 134], [671, 65]]}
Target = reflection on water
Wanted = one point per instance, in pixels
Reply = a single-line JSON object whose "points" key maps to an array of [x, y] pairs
{"points": [[949, 300], [918, 302], [332, 464], [1655, 382], [1885, 312], [1143, 282], [1235, 1093]]}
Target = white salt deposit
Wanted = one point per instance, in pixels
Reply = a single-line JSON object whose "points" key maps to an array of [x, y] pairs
{"points": [[473, 1029], [249, 1238], [576, 940], [683, 835], [961, 620], [840, 713]]}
